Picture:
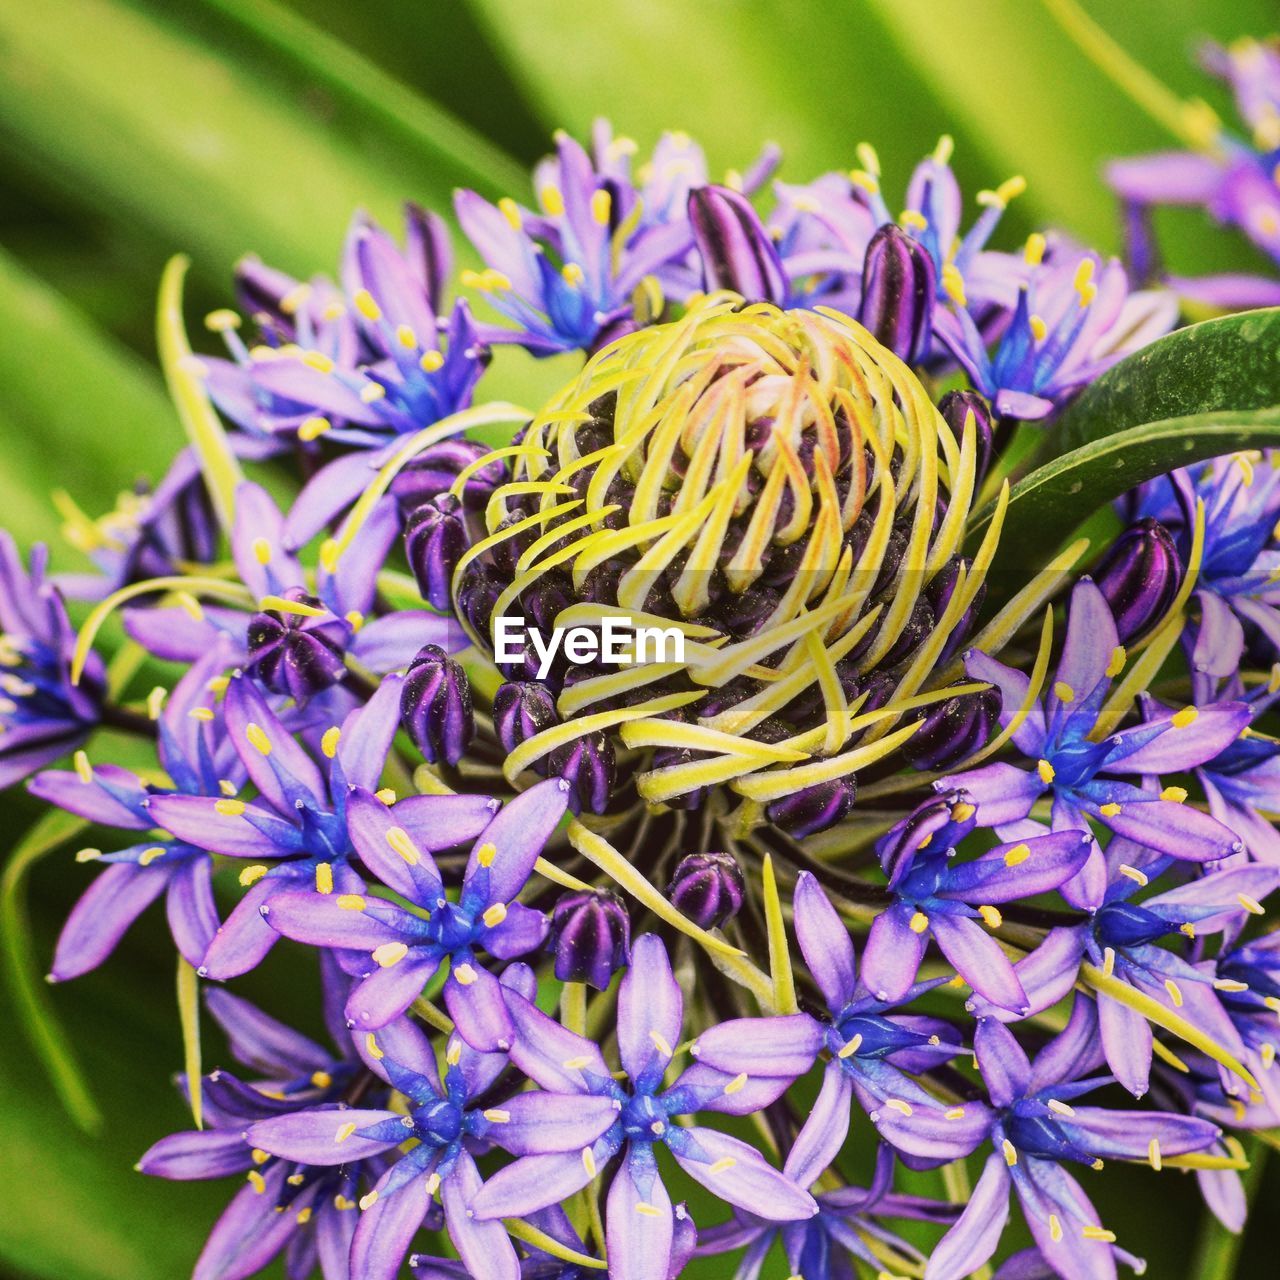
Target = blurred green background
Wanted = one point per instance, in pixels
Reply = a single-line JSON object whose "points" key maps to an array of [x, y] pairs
{"points": [[130, 131]]}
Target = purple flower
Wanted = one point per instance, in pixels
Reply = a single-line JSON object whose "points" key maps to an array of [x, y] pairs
{"points": [[1235, 588], [1231, 177], [565, 272], [824, 1247], [295, 832], [1035, 1130], [298, 1206], [1246, 978], [42, 714], [1074, 317], [447, 1127], [1071, 767], [199, 760], [935, 894], [637, 1114], [395, 842]]}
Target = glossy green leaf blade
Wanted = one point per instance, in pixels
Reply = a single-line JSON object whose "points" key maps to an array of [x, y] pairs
{"points": [[97, 425], [1055, 499], [1228, 364], [216, 158]]}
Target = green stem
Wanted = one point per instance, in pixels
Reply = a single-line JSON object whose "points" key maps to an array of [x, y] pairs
{"points": [[1218, 1250]]}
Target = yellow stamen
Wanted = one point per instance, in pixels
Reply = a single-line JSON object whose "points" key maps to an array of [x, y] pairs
{"points": [[991, 916], [350, 902], [329, 743], [465, 974], [1175, 795], [1045, 770], [258, 739], [1064, 692], [390, 953], [1010, 1153], [324, 877], [344, 1132], [919, 922], [366, 306], [589, 1162], [495, 915], [229, 808], [486, 854], [251, 875], [1017, 855], [257, 1181], [1119, 657], [313, 428], [1175, 992], [1109, 810], [1138, 877], [1187, 716], [84, 770]]}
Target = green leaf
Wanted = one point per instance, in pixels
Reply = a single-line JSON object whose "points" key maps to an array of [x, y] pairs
{"points": [[1055, 499], [22, 970], [1228, 364]]}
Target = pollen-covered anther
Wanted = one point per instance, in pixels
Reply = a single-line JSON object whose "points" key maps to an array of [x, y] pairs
{"points": [[344, 1131], [589, 1162], [466, 974], [495, 915], [1109, 810], [991, 917], [898, 1105], [919, 922], [258, 739], [1251, 905], [1062, 1108], [1098, 1233], [661, 1044], [723, 1165], [737, 1084], [1175, 795], [850, 1046], [1010, 1152], [252, 874], [324, 877], [350, 902], [402, 843], [1153, 1154], [1185, 718], [1138, 877], [1064, 692], [389, 953], [1175, 992], [1046, 772], [955, 1113], [1017, 855]]}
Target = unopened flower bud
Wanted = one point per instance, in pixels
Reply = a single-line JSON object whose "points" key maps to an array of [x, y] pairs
{"points": [[590, 936], [478, 593], [590, 765], [939, 592], [815, 808], [951, 731], [435, 539], [296, 654], [736, 250], [521, 709], [1140, 577], [955, 407], [707, 888], [435, 706], [435, 469], [898, 287]]}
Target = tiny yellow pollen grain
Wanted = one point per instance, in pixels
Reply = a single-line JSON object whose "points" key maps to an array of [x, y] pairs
{"points": [[955, 1113], [1045, 770], [368, 1201], [303, 1215], [204, 714], [1098, 1233], [1055, 1228], [1017, 855], [963, 811], [1188, 928], [387, 795], [324, 877], [1153, 1154], [148, 856], [850, 1046], [229, 808], [1175, 795], [572, 274], [402, 843], [258, 1156], [252, 874], [354, 618], [495, 1115], [898, 1105], [1187, 716], [318, 361], [1109, 810], [552, 200], [88, 855], [1138, 877], [919, 922], [913, 219]]}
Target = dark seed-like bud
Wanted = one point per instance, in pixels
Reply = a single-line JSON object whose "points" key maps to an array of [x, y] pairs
{"points": [[953, 730], [435, 469], [435, 706], [435, 539], [708, 888], [521, 709], [939, 592], [898, 286], [478, 593], [1140, 577], [590, 937], [590, 765], [815, 808], [294, 654], [955, 407], [736, 250]]}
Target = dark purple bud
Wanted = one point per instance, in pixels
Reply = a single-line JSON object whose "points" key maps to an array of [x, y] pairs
{"points": [[898, 287], [708, 888], [478, 593], [914, 633], [435, 706], [435, 539], [953, 730], [955, 407], [590, 765], [297, 654], [1140, 576], [521, 709], [815, 808], [435, 469], [736, 250], [590, 937], [939, 592]]}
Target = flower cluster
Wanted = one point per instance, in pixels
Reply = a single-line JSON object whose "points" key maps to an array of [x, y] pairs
{"points": [[627, 961]]}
